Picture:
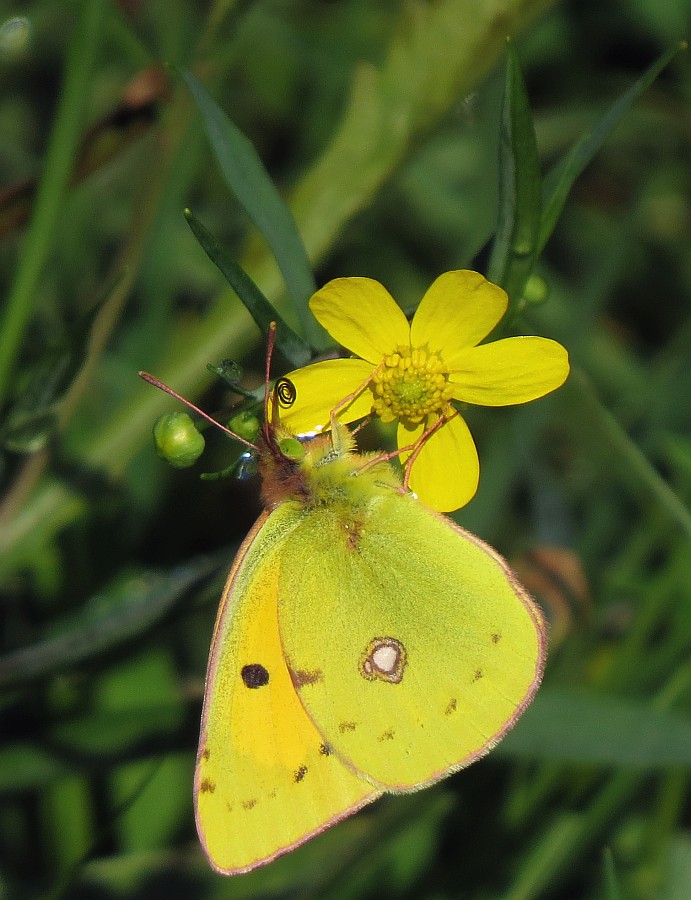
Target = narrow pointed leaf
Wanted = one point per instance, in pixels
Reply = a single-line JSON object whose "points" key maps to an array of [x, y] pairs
{"points": [[520, 190], [291, 345], [247, 178], [560, 179]]}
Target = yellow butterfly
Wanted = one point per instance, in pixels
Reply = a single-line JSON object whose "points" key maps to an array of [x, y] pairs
{"points": [[364, 644]]}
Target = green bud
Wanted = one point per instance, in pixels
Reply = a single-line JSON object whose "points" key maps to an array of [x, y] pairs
{"points": [[178, 440], [536, 291], [245, 425]]}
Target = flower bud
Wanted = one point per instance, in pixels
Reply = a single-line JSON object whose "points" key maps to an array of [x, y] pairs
{"points": [[178, 440], [245, 425]]}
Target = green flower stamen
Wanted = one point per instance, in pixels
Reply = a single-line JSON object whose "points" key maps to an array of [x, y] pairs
{"points": [[412, 384]]}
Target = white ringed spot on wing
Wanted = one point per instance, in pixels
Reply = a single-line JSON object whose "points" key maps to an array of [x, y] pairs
{"points": [[383, 659]]}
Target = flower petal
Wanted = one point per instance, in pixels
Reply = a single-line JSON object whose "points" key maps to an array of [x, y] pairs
{"points": [[322, 386], [446, 473], [513, 370], [459, 309], [361, 315]]}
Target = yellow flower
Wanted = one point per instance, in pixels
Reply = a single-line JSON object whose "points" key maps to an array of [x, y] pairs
{"points": [[412, 372]]}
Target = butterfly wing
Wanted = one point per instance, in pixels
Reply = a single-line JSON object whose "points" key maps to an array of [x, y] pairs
{"points": [[265, 780], [410, 642]]}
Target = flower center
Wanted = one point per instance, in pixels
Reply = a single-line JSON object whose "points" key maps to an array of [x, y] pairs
{"points": [[411, 384]]}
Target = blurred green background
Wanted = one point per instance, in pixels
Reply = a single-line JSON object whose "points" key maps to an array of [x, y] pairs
{"points": [[379, 123]]}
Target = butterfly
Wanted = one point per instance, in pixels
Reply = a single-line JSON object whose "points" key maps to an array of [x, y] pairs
{"points": [[364, 645]]}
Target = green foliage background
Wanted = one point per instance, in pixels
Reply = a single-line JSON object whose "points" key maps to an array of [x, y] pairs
{"points": [[379, 122]]}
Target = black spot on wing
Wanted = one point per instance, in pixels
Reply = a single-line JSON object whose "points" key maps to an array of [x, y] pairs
{"points": [[254, 675]]}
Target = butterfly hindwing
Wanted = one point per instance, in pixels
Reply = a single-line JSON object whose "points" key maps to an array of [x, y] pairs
{"points": [[412, 645]]}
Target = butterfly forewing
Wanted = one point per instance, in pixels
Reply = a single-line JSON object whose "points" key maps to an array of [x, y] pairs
{"points": [[266, 780]]}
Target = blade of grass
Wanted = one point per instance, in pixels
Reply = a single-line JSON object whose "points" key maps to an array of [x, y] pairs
{"points": [[568, 836], [547, 871], [635, 468], [586, 728], [291, 345], [560, 179], [520, 189], [247, 178], [58, 167], [612, 891]]}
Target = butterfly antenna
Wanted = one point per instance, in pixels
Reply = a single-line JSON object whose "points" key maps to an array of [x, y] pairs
{"points": [[151, 379]]}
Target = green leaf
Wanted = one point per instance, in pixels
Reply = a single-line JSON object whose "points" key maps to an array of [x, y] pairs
{"points": [[140, 602], [560, 179], [291, 345], [247, 178], [24, 295], [569, 726], [520, 190]]}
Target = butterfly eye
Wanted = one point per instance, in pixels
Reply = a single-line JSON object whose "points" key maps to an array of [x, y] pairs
{"points": [[285, 392], [292, 449]]}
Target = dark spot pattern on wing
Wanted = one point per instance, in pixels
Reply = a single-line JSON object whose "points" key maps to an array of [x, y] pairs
{"points": [[301, 678], [254, 676]]}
